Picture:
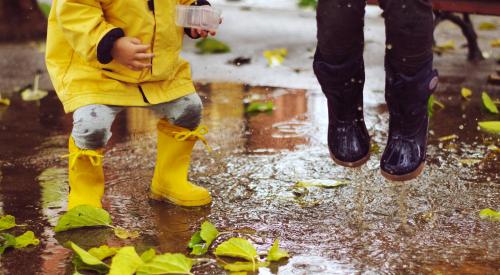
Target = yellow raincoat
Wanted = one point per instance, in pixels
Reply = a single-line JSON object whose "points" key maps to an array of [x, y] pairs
{"points": [[75, 30]]}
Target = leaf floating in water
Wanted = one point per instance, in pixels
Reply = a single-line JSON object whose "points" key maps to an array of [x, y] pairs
{"points": [[448, 138], [256, 107], [125, 262], [492, 127], [245, 266], [9, 240], [26, 239], [487, 26], [466, 93], [83, 260], [167, 264], [275, 57], [7, 222], [431, 103], [488, 103], [212, 46], [489, 215], [102, 252], [322, 183], [495, 43], [123, 233], [237, 248], [201, 240], [83, 216], [276, 253]]}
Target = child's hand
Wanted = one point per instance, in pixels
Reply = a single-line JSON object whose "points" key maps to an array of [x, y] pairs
{"points": [[197, 33], [130, 52]]}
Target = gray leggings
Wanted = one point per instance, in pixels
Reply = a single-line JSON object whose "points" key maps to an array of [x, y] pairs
{"points": [[92, 123]]}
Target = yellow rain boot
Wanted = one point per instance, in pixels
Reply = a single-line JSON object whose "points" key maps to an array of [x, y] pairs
{"points": [[170, 183], [86, 177]]}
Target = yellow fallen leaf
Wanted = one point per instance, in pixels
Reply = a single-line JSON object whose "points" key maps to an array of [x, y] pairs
{"points": [[444, 47], [487, 26], [470, 162], [35, 93], [495, 43], [447, 138], [4, 101], [466, 93], [275, 57]]}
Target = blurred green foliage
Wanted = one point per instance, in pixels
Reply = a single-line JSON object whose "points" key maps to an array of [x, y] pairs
{"points": [[308, 3]]}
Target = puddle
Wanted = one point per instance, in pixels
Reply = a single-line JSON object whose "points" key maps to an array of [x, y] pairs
{"points": [[370, 225]]}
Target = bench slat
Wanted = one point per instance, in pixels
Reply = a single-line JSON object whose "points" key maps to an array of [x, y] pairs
{"points": [[485, 7]]}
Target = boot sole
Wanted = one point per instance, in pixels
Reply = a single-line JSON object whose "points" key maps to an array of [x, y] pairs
{"points": [[406, 177], [351, 164], [180, 202]]}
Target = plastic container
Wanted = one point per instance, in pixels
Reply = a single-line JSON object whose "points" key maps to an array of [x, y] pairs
{"points": [[203, 17]]}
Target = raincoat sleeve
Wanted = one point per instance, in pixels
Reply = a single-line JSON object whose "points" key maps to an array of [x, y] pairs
{"points": [[86, 30]]}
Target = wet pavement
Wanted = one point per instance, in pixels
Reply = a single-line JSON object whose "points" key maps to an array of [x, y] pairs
{"points": [[428, 225]]}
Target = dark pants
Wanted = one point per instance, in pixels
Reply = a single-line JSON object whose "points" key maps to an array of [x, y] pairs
{"points": [[409, 32]]}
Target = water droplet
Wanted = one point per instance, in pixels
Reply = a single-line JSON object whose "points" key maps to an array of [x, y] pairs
{"points": [[403, 6], [461, 127], [353, 80], [464, 116], [360, 108], [349, 5], [389, 46]]}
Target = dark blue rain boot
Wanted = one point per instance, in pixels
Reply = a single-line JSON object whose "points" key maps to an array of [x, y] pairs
{"points": [[407, 96], [342, 84]]}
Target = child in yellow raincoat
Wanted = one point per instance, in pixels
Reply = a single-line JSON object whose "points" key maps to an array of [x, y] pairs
{"points": [[104, 55]]}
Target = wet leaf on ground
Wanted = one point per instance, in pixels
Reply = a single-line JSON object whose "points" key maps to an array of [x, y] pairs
{"points": [[255, 107], [470, 162], [431, 103], [322, 183], [489, 215], [308, 3], [167, 264], [448, 138], [83, 216], [237, 248], [466, 93], [275, 57], [495, 43], [487, 26], [245, 266], [125, 262], [492, 127], [102, 252], [7, 222], [148, 255], [444, 47], [123, 233], [45, 8], [83, 260], [488, 103], [375, 148], [4, 101], [276, 253], [212, 46], [26, 239]]}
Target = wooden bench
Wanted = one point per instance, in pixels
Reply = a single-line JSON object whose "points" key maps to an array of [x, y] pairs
{"points": [[447, 9]]}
